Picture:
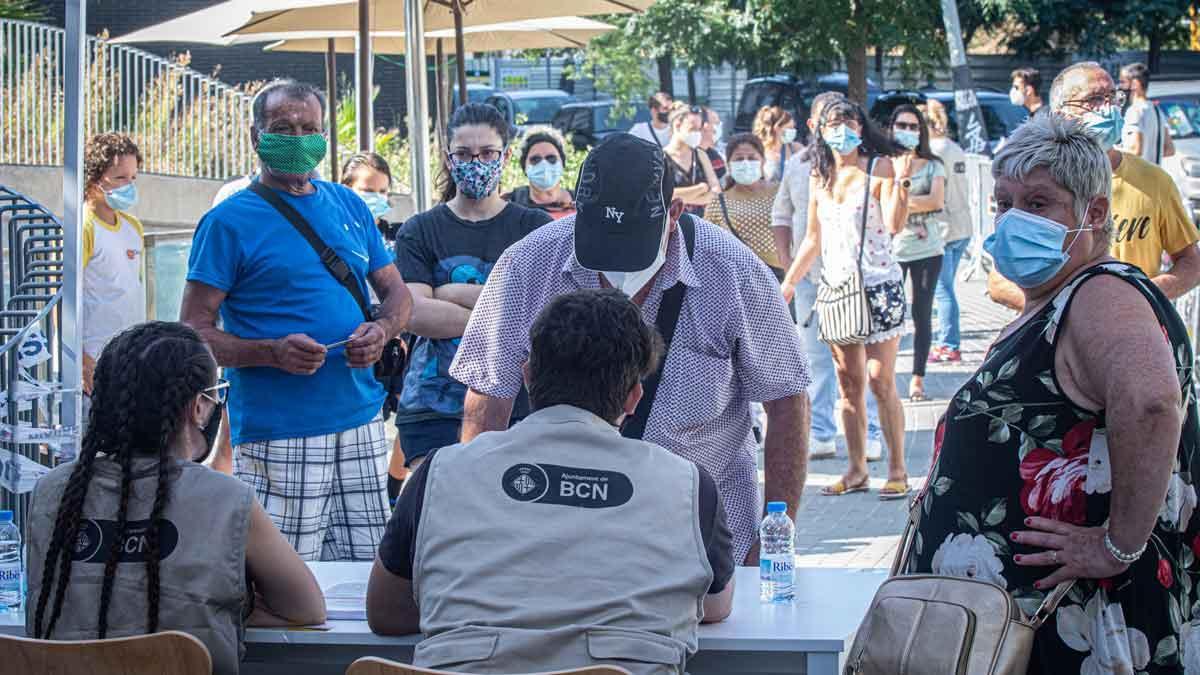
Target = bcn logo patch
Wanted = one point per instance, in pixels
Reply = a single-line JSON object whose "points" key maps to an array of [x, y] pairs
{"points": [[94, 543], [566, 486]]}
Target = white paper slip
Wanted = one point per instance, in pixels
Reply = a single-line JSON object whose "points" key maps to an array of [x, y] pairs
{"points": [[346, 601]]}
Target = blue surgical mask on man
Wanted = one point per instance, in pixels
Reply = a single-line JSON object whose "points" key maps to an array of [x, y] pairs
{"points": [[544, 175], [1105, 125], [122, 198], [1027, 248], [377, 203], [841, 139]]}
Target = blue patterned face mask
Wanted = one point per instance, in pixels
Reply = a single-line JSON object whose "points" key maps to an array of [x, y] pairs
{"points": [[476, 179], [123, 198], [1027, 248]]}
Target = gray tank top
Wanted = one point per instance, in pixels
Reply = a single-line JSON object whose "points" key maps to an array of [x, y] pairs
{"points": [[202, 553]]}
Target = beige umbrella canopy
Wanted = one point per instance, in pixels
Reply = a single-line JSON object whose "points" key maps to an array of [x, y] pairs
{"points": [[564, 32]]}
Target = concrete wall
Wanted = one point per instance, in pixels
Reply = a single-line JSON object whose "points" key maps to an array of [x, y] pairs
{"points": [[165, 202]]}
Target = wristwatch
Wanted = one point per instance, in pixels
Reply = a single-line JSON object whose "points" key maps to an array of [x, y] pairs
{"points": [[906, 183]]}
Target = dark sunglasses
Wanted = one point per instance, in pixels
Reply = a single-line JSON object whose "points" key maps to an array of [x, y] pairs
{"points": [[904, 126], [537, 159]]}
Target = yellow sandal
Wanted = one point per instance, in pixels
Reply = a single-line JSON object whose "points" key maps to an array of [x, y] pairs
{"points": [[894, 489], [839, 488]]}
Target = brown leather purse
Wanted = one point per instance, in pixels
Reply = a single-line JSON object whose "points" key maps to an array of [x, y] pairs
{"points": [[928, 624]]}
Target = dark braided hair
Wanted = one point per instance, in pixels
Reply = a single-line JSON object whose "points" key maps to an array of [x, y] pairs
{"points": [[145, 379]]}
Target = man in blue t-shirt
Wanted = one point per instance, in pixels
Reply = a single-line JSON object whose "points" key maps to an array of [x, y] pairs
{"points": [[304, 405]]}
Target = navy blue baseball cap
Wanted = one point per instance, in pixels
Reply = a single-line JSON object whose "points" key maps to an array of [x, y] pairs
{"points": [[621, 204]]}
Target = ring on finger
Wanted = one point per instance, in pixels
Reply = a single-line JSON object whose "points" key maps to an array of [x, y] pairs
{"points": [[1054, 557]]}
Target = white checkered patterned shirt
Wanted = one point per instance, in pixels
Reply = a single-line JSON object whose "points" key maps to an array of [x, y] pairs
{"points": [[734, 343]]}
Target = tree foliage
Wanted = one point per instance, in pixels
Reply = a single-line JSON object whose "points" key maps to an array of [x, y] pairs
{"points": [[24, 10], [1060, 27]]}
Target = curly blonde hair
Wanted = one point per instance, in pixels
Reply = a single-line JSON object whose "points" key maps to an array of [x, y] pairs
{"points": [[768, 121], [939, 121], [102, 151]]}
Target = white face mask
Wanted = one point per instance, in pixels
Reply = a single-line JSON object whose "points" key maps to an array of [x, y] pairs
{"points": [[692, 138], [1016, 97], [632, 282], [789, 135]]}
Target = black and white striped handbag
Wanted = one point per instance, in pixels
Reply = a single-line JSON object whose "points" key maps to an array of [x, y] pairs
{"points": [[844, 309]]}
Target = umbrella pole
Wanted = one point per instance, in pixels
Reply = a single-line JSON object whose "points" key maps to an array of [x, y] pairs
{"points": [[365, 85], [418, 102], [331, 88], [460, 51], [443, 100]]}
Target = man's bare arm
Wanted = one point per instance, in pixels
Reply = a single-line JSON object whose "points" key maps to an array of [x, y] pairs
{"points": [[484, 413], [785, 454], [199, 309], [1184, 274]]}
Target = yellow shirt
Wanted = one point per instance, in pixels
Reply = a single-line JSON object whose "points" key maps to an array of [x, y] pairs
{"points": [[1148, 215]]}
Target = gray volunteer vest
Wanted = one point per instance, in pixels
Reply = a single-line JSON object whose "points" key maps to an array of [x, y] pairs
{"points": [[559, 544], [202, 543]]}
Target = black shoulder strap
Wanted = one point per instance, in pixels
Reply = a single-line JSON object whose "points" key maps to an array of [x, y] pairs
{"points": [[1160, 141], [668, 318], [336, 266], [728, 221]]}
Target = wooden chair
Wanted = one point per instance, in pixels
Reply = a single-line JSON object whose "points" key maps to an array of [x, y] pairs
{"points": [[166, 652], [370, 665]]}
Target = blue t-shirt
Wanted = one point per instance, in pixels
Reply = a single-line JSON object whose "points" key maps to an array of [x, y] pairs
{"points": [[275, 285]]}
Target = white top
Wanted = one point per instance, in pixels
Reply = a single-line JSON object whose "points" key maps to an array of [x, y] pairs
{"points": [[114, 286], [1144, 117], [644, 131], [840, 244], [956, 214]]}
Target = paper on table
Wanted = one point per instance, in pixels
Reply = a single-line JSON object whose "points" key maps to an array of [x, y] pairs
{"points": [[346, 601]]}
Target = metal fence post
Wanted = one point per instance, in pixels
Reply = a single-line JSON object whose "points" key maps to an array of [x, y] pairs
{"points": [[73, 129]]}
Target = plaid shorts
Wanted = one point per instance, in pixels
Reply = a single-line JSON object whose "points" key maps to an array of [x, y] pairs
{"points": [[326, 494]]}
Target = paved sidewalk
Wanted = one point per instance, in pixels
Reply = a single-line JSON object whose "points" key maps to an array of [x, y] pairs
{"points": [[859, 530]]}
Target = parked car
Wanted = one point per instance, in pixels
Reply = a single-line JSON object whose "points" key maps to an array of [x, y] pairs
{"points": [[1000, 116], [476, 93], [793, 95], [585, 124], [1180, 101], [533, 106]]}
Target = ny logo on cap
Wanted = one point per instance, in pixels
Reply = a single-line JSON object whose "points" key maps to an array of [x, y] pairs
{"points": [[612, 214]]}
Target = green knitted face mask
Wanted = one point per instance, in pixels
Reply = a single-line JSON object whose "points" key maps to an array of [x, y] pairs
{"points": [[296, 155]]}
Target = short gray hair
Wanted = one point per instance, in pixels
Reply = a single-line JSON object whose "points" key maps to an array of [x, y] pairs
{"points": [[291, 89], [1068, 152], [1058, 89]]}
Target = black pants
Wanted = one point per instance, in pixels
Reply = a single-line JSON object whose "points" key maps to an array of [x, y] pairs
{"points": [[924, 275]]}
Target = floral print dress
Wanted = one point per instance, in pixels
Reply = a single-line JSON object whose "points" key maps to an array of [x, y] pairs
{"points": [[1011, 445]]}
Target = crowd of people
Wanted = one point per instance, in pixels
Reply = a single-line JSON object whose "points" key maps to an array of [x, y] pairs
{"points": [[610, 358]]}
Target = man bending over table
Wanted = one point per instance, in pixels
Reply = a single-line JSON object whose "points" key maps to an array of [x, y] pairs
{"points": [[502, 549]]}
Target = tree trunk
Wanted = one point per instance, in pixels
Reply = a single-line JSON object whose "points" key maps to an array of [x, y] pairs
{"points": [[691, 79], [1154, 53], [856, 69], [879, 67], [666, 78]]}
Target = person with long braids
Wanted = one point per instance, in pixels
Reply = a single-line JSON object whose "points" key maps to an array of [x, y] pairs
{"points": [[184, 547]]}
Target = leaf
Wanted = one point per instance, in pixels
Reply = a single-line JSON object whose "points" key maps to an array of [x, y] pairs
{"points": [[928, 504], [1009, 369], [1055, 445], [964, 396], [1175, 611], [1002, 393], [1027, 446], [1029, 601], [967, 521], [1188, 558], [998, 543], [1047, 380], [1075, 594], [942, 485], [996, 515], [1167, 651], [919, 544], [1042, 425], [979, 406], [998, 431], [987, 378], [1012, 413]]}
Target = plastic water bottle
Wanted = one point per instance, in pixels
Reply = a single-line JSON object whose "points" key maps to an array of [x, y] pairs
{"points": [[12, 572], [777, 558]]}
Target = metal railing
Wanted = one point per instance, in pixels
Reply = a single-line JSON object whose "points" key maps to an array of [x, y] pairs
{"points": [[185, 123], [30, 346]]}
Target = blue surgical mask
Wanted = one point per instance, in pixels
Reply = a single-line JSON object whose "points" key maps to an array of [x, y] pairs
{"points": [[123, 198], [789, 135], [909, 139], [1105, 126], [841, 139], [544, 175], [1027, 248], [377, 203], [746, 171]]}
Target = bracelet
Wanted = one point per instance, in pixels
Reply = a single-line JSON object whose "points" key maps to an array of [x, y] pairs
{"points": [[1118, 554]]}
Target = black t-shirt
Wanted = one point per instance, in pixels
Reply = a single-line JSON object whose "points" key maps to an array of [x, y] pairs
{"points": [[559, 210], [399, 544], [438, 248]]}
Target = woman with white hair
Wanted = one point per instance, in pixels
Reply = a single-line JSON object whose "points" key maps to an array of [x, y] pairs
{"points": [[1068, 457]]}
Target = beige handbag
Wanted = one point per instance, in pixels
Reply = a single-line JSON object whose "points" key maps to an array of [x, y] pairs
{"points": [[927, 624]]}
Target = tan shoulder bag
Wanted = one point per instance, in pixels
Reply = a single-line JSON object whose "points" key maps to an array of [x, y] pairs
{"points": [[927, 624]]}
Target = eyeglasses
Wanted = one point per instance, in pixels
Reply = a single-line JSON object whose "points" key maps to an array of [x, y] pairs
{"points": [[485, 155], [537, 159], [1095, 102], [905, 126], [218, 393]]}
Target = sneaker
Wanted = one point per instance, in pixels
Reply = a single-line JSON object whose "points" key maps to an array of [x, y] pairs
{"points": [[951, 356], [821, 449], [936, 355], [874, 449]]}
